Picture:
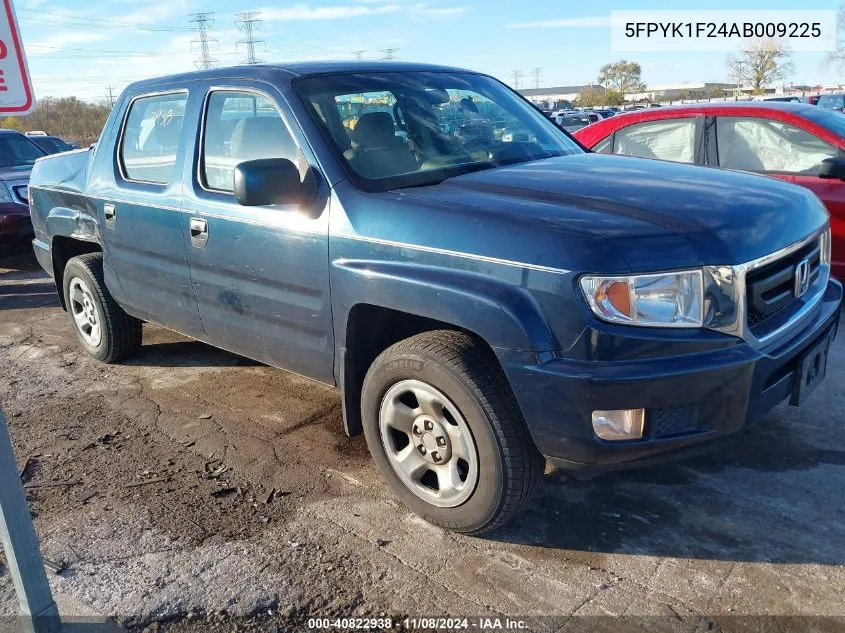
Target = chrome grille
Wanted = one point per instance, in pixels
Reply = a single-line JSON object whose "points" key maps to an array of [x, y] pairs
{"points": [[772, 287]]}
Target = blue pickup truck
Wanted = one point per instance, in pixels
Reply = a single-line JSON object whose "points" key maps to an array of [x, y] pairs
{"points": [[481, 301]]}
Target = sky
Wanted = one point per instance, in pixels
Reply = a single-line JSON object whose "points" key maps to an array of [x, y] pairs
{"points": [[83, 47]]}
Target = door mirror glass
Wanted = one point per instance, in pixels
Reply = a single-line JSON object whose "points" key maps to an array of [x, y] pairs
{"points": [[266, 181], [833, 168]]}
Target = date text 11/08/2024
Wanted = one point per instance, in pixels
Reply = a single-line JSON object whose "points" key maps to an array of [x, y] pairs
{"points": [[421, 623]]}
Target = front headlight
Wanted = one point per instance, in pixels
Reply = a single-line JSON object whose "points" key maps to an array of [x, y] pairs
{"points": [[660, 300]]}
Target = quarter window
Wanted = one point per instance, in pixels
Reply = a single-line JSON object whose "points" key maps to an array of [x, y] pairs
{"points": [[604, 146], [762, 145], [665, 140], [241, 126], [151, 137]]}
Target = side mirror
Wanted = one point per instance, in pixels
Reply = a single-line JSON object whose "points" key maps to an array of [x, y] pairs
{"points": [[833, 168], [267, 181]]}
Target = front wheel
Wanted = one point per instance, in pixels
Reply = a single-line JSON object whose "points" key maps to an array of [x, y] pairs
{"points": [[103, 329], [446, 432]]}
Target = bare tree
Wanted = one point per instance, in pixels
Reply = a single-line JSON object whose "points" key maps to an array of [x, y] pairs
{"points": [[67, 117], [623, 76], [760, 62], [838, 56]]}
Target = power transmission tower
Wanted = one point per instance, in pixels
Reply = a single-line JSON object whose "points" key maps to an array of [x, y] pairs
{"points": [[517, 77], [248, 23], [358, 54], [537, 72], [204, 22], [389, 53]]}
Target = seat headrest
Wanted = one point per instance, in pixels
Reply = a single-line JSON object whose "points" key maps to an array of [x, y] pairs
{"points": [[374, 130], [261, 137]]}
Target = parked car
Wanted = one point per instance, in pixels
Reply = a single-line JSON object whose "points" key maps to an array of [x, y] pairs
{"points": [[777, 98], [17, 155], [813, 99], [572, 121], [832, 101], [50, 144], [477, 310], [795, 142]]}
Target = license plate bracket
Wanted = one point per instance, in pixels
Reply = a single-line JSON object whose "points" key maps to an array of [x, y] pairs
{"points": [[811, 371]]}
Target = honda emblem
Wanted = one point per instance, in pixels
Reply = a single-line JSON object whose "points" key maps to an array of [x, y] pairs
{"points": [[802, 277]]}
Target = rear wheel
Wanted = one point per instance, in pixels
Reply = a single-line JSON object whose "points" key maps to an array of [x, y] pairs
{"points": [[445, 430], [102, 327]]}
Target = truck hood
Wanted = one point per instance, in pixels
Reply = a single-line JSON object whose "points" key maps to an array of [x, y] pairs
{"points": [[650, 211], [17, 172]]}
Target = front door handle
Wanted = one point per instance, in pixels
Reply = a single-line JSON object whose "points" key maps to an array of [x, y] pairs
{"points": [[110, 214], [199, 232]]}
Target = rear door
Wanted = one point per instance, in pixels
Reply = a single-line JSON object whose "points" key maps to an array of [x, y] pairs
{"points": [[676, 139], [139, 202], [260, 274]]}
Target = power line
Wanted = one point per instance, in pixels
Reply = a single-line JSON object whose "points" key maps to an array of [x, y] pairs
{"points": [[537, 72], [66, 19], [358, 54], [204, 22], [517, 77], [248, 23], [389, 53]]}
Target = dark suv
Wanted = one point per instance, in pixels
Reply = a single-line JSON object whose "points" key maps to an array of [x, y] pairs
{"points": [[17, 155], [479, 305]]}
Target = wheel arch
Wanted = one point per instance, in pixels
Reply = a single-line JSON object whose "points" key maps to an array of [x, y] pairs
{"points": [[62, 250], [394, 301]]}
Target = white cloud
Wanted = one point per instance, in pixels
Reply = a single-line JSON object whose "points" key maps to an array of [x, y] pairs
{"points": [[338, 12], [62, 39], [586, 21], [424, 12]]}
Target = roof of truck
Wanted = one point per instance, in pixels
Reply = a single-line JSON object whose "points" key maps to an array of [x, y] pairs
{"points": [[296, 69]]}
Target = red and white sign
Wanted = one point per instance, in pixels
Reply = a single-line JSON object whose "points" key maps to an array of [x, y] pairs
{"points": [[16, 96]]}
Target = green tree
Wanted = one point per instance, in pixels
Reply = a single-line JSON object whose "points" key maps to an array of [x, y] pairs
{"points": [[760, 63], [622, 76], [592, 97]]}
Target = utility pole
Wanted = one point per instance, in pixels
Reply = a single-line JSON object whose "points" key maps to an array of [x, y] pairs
{"points": [[204, 22], [111, 97], [538, 71], [517, 77], [738, 80], [358, 54], [248, 23], [389, 53]]}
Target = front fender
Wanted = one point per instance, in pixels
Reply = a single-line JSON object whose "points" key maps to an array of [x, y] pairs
{"points": [[504, 315]]}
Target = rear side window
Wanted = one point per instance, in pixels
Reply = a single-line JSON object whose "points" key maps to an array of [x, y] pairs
{"points": [[762, 145], [151, 137], [665, 140], [831, 101], [605, 146], [240, 126]]}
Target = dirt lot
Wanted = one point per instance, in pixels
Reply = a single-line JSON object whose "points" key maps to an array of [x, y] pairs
{"points": [[153, 483]]}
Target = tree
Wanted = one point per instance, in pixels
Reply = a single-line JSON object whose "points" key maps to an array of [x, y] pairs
{"points": [[592, 97], [760, 63], [623, 76], [68, 117], [838, 56]]}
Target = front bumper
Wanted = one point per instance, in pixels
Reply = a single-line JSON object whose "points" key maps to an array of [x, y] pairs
{"points": [[15, 223], [696, 394]]}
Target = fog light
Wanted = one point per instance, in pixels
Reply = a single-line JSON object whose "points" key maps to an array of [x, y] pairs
{"points": [[622, 424]]}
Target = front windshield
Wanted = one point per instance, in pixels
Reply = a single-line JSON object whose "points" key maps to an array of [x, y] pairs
{"points": [[17, 150], [397, 130]]}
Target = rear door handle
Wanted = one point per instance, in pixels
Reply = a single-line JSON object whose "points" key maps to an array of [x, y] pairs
{"points": [[110, 214], [199, 232]]}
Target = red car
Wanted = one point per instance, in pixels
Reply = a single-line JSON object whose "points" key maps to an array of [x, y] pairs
{"points": [[788, 141]]}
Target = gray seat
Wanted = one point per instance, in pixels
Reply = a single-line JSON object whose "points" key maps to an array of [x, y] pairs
{"points": [[261, 137], [376, 151]]}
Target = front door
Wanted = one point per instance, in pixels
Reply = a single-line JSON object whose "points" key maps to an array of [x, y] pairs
{"points": [[140, 211], [260, 274]]}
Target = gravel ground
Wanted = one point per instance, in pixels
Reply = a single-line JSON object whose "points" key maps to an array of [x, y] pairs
{"points": [[193, 490]]}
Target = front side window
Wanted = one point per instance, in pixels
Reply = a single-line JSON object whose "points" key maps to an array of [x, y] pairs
{"points": [[762, 145], [672, 139], [397, 130], [151, 137], [831, 101], [240, 126]]}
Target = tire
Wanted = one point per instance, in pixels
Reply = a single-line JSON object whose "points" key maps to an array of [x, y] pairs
{"points": [[93, 311], [476, 397]]}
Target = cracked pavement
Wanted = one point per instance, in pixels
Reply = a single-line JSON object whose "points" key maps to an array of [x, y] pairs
{"points": [[196, 488]]}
